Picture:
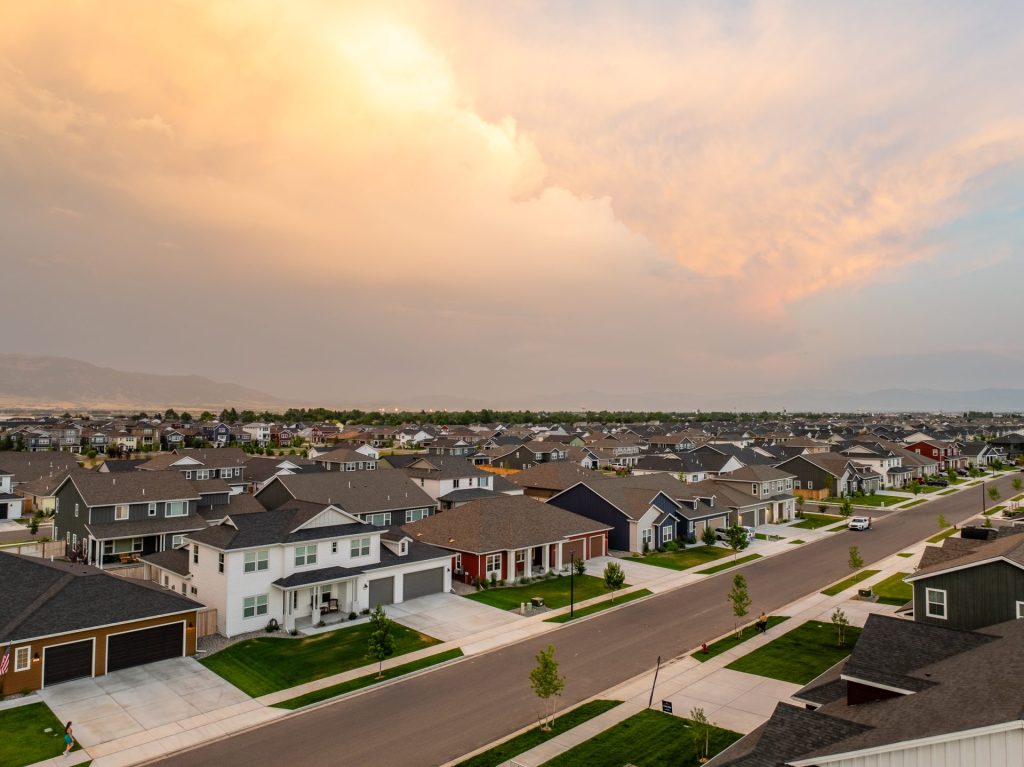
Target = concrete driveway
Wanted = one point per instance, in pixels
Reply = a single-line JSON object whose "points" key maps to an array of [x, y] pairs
{"points": [[449, 617], [637, 573], [123, 703]]}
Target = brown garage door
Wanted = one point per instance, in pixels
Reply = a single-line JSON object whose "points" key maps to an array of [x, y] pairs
{"points": [[134, 648], [597, 546], [573, 550], [62, 663]]}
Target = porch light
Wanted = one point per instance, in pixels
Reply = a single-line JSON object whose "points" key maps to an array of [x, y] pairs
{"points": [[191, 625], [35, 657], [366, 585]]}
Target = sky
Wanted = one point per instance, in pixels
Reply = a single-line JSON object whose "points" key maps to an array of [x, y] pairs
{"points": [[521, 203]]}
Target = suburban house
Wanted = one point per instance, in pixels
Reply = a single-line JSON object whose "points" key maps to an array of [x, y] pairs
{"points": [[299, 566], [111, 519], [259, 431], [259, 470], [449, 480], [765, 485], [509, 537], [381, 498], [345, 459], [10, 504], [227, 463], [885, 461], [547, 479], [715, 460], [946, 454], [909, 694], [451, 446], [969, 584], [979, 455], [27, 468], [1012, 444], [821, 475], [63, 620]]}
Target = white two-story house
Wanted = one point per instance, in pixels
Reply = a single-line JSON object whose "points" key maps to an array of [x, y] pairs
{"points": [[450, 480], [299, 566], [10, 504]]}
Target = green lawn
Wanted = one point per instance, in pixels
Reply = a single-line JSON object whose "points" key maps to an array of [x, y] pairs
{"points": [[554, 591], [944, 534], [685, 558], [591, 609], [837, 528], [800, 655], [993, 510], [513, 747], [795, 541], [905, 554], [843, 585], [22, 737], [893, 591], [948, 491], [812, 521], [647, 739], [876, 500], [915, 502], [929, 488], [365, 681], [267, 664], [719, 647], [727, 565]]}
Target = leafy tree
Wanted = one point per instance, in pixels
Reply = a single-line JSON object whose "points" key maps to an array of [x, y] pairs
{"points": [[170, 414], [993, 493], [822, 507], [1017, 484], [579, 566], [381, 645], [951, 475], [840, 621], [206, 415], [915, 487], [855, 560], [707, 536], [547, 684], [800, 505], [614, 578], [737, 539], [740, 600], [943, 522], [845, 507], [186, 417], [700, 726], [974, 471]]}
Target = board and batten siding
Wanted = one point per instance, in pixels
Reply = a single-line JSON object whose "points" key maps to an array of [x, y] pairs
{"points": [[975, 596], [985, 749], [585, 502]]}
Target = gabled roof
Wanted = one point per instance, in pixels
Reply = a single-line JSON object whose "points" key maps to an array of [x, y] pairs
{"points": [[99, 489], [282, 526], [1007, 549], [357, 492], [554, 475]]}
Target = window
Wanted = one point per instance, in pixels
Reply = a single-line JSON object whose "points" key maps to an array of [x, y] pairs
{"points": [[152, 509], [176, 509], [414, 515], [455, 483], [646, 536], [255, 561], [188, 475], [76, 510], [120, 513], [225, 473], [254, 606], [458, 562], [334, 547], [360, 547], [195, 554], [1020, 609], [121, 546], [484, 481], [194, 590], [753, 489], [238, 471], [202, 474], [810, 485], [494, 563], [305, 555], [166, 582], [23, 659], [220, 562], [935, 603], [667, 534], [177, 541], [380, 520]]}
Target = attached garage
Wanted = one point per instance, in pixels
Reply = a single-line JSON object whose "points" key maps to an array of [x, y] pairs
{"points": [[64, 662], [422, 583], [572, 550], [134, 648], [597, 546], [749, 518], [382, 591]]}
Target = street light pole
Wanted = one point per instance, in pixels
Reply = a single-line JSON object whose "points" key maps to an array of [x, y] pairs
{"points": [[572, 572]]}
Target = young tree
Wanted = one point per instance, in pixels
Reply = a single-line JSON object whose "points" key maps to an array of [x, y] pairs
{"points": [[547, 684], [855, 561], [846, 506], [799, 505], [822, 507], [739, 598], [580, 566], [943, 522], [1017, 484], [381, 644], [993, 494], [701, 728], [707, 536], [737, 539], [613, 577], [951, 475], [840, 621], [915, 487]]}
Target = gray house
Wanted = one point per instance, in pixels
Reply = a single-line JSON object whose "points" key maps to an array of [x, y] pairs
{"points": [[818, 475]]}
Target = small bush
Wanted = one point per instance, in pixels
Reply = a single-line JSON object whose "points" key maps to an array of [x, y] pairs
{"points": [[671, 546], [365, 611], [352, 616]]}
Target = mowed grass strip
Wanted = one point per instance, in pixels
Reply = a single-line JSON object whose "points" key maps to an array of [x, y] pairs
{"points": [[684, 559], [554, 592], [727, 565], [365, 681], [503, 752], [22, 737], [843, 585], [944, 534], [647, 739], [812, 521], [893, 591], [795, 542], [905, 554], [582, 612], [913, 503], [798, 656], [264, 665], [719, 647]]}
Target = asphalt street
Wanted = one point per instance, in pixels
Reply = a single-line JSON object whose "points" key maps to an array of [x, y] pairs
{"points": [[438, 716]]}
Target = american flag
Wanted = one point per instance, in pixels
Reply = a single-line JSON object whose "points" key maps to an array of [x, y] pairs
{"points": [[6, 661]]}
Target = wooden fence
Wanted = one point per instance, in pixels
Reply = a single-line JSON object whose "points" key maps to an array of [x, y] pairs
{"points": [[130, 571], [40, 549], [206, 622]]}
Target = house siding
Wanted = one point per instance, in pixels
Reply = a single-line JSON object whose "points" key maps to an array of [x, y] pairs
{"points": [[585, 502], [975, 597]]}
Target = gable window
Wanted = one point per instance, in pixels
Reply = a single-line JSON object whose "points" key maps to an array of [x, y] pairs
{"points": [[413, 515], [360, 547], [220, 562], [225, 473], [238, 471], [254, 606], [935, 603], [493, 563], [23, 659], [152, 509], [753, 489], [177, 541], [256, 561], [380, 520], [120, 513], [176, 509], [188, 475], [76, 511], [195, 554], [202, 474], [305, 555]]}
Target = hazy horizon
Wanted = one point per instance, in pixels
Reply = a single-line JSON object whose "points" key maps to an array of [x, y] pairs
{"points": [[378, 202]]}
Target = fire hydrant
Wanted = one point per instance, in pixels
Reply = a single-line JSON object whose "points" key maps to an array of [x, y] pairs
{"points": [[704, 647]]}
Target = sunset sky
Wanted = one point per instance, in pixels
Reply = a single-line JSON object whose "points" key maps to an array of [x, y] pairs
{"points": [[375, 203]]}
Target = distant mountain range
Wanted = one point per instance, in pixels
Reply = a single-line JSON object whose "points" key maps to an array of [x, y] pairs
{"points": [[58, 382]]}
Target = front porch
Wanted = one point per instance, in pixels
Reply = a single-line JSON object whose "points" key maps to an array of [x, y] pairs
{"points": [[329, 602]]}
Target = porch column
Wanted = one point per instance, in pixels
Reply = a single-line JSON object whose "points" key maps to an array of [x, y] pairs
{"points": [[511, 553], [315, 596], [528, 563], [558, 557], [289, 617]]}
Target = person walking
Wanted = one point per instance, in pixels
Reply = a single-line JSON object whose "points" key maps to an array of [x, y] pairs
{"points": [[762, 623], [69, 739]]}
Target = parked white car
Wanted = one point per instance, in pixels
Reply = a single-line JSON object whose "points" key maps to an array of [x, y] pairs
{"points": [[860, 523]]}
